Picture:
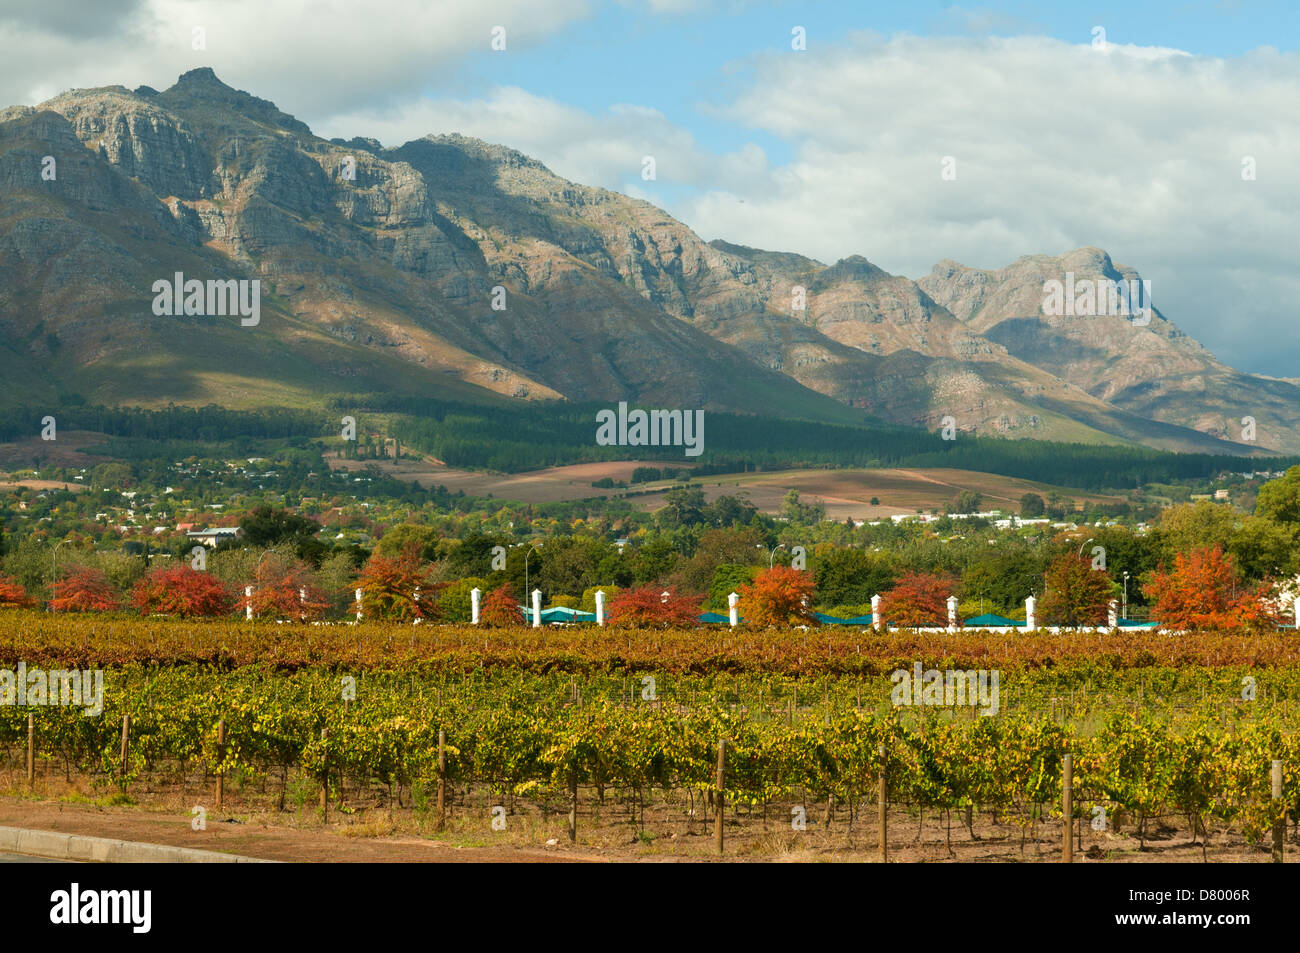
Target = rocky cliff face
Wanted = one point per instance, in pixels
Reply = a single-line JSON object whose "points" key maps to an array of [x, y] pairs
{"points": [[451, 266]]}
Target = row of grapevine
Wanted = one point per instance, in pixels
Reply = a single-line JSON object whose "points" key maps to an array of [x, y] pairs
{"points": [[519, 742]]}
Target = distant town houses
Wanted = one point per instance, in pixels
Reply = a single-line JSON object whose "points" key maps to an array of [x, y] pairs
{"points": [[211, 537]]}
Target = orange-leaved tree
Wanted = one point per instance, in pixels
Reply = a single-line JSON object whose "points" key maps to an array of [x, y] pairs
{"points": [[1075, 593], [13, 594], [917, 599], [284, 589], [85, 590], [181, 591], [500, 607], [778, 596], [653, 607], [1204, 590], [388, 587]]}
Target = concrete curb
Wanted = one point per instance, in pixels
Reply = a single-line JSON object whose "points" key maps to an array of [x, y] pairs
{"points": [[104, 850]]}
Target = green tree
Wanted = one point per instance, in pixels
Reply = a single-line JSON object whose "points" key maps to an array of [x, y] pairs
{"points": [[1001, 580], [683, 506], [403, 536], [850, 576], [1279, 499], [454, 599], [728, 578], [1032, 506], [1264, 549], [265, 527], [1195, 526]]}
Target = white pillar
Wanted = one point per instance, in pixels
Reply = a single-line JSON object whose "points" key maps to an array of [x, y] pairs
{"points": [[952, 613], [1029, 614], [358, 605], [302, 603], [1112, 614], [1297, 612], [474, 596], [600, 607], [732, 600], [876, 622], [537, 608], [248, 604]]}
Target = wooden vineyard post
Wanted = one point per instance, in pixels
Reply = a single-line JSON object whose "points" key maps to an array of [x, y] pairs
{"points": [[1279, 823], [325, 781], [442, 778], [882, 807], [221, 757], [1067, 810], [31, 750], [573, 806], [719, 783], [126, 734]]}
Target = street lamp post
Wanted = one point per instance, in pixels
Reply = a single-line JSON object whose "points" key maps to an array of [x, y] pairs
{"points": [[771, 555], [1124, 607]]}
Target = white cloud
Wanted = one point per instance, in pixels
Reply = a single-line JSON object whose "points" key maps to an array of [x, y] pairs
{"points": [[311, 56], [605, 150], [1136, 150]]}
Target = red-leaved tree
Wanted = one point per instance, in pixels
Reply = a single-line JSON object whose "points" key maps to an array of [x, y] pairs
{"points": [[85, 590], [181, 591], [500, 607], [13, 594], [285, 591], [778, 596], [388, 587], [1204, 591], [651, 607], [1075, 593], [917, 599]]}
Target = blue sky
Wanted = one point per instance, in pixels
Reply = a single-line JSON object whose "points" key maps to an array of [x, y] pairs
{"points": [[677, 61]]}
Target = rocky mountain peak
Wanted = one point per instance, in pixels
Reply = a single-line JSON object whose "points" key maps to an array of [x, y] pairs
{"points": [[200, 90]]}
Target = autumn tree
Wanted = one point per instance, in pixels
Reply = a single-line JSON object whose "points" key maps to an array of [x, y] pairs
{"points": [[778, 596], [1075, 593], [500, 607], [13, 594], [652, 607], [181, 591], [388, 587], [285, 589], [1204, 591], [85, 590], [918, 599]]}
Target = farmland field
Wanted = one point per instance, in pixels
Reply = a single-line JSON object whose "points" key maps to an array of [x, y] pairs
{"points": [[845, 492], [1172, 738]]}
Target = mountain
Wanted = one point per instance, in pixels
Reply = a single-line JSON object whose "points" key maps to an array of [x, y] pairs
{"points": [[380, 269]]}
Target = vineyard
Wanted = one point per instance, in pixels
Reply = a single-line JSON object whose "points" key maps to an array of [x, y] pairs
{"points": [[614, 734]]}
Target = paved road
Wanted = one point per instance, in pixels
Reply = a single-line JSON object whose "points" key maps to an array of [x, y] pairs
{"points": [[24, 859]]}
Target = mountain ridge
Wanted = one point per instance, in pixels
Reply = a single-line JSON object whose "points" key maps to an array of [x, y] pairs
{"points": [[379, 267]]}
